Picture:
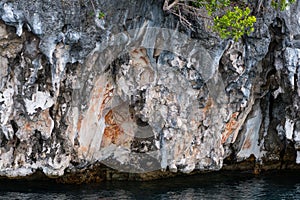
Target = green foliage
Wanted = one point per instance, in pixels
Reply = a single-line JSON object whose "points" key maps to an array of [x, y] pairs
{"points": [[229, 21], [282, 4], [101, 15], [230, 18], [234, 23]]}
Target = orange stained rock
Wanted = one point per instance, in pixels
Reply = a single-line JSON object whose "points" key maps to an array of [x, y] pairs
{"points": [[42, 123], [97, 92], [45, 117], [135, 51], [79, 122], [208, 105], [111, 135], [143, 58], [113, 132], [106, 98], [109, 120], [27, 127], [139, 57], [247, 143], [230, 127], [82, 149]]}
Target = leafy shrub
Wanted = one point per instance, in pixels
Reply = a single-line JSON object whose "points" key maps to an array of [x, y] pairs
{"points": [[282, 4], [234, 24], [230, 18]]}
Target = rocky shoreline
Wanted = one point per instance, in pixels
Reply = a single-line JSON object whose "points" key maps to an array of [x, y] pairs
{"points": [[140, 93]]}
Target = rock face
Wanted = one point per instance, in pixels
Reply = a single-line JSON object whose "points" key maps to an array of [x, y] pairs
{"points": [[136, 92]]}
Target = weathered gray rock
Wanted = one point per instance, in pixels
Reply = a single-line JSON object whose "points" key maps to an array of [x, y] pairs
{"points": [[138, 92]]}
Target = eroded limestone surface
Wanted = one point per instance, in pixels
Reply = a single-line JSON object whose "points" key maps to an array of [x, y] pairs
{"points": [[138, 92]]}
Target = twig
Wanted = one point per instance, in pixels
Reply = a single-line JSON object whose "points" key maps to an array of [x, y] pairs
{"points": [[182, 19], [167, 7], [196, 11], [93, 6], [258, 6], [166, 3]]}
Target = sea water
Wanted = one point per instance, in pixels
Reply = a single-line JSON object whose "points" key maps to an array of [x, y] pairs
{"points": [[220, 185]]}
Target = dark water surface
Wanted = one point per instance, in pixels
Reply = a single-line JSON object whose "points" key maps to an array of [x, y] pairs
{"points": [[225, 185]]}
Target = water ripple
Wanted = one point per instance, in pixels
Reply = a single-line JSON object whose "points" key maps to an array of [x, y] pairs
{"points": [[206, 186]]}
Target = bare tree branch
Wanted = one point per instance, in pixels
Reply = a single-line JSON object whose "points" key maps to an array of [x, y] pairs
{"points": [[258, 6], [167, 7], [183, 20], [185, 8], [93, 6], [196, 11]]}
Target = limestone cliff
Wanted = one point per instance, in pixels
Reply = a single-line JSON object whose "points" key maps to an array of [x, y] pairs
{"points": [[135, 91]]}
